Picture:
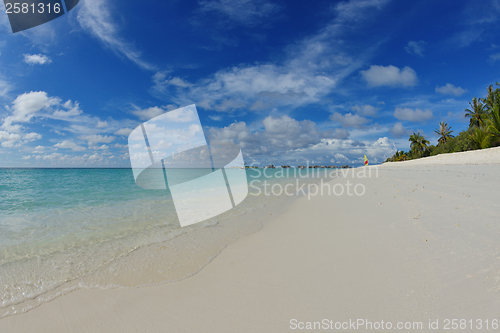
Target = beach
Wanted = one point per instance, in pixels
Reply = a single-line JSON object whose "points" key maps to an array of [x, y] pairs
{"points": [[419, 247]]}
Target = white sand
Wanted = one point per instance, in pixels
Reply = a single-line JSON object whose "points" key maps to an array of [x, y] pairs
{"points": [[483, 156], [422, 244]]}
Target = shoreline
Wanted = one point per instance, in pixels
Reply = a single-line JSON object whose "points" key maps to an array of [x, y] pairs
{"points": [[421, 245]]}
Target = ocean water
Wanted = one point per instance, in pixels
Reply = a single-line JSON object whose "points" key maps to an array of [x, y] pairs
{"points": [[64, 229]]}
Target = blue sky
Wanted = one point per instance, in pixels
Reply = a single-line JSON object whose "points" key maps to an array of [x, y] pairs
{"points": [[289, 81]]}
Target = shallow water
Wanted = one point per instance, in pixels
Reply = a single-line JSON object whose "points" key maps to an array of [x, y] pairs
{"points": [[64, 229]]}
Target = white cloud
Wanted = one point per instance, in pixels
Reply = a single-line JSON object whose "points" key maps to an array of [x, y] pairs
{"points": [[102, 124], [9, 139], [239, 86], [69, 144], [25, 107], [378, 76], [332, 149], [53, 156], [36, 59], [32, 136], [149, 113], [339, 158], [398, 130], [365, 110], [450, 89], [341, 133], [96, 138], [95, 17], [178, 82], [416, 115], [123, 131], [279, 134], [39, 105], [311, 69], [414, 47], [349, 120]]}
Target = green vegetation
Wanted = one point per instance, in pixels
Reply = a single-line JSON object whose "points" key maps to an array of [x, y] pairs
{"points": [[483, 131]]}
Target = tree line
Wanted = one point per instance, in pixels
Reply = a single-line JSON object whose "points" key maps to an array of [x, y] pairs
{"points": [[483, 131]]}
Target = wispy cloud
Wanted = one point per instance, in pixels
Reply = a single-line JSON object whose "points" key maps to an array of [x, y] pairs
{"points": [[312, 68], [476, 21], [95, 17], [414, 47], [247, 13]]}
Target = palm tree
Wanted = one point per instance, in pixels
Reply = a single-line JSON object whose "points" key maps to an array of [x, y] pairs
{"points": [[493, 126], [481, 138], [418, 143], [444, 132], [476, 113], [492, 98]]}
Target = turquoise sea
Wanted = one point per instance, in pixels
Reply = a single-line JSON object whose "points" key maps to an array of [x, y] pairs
{"points": [[64, 229]]}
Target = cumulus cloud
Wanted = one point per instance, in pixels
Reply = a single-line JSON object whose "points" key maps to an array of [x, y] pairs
{"points": [[333, 150], [349, 120], [25, 107], [96, 138], [38, 105], [365, 110], [416, 115], [102, 124], [69, 144], [414, 47], [279, 134], [339, 158], [450, 89], [377, 76], [36, 59], [9, 139], [149, 113], [123, 131], [32, 136], [398, 130], [341, 133]]}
